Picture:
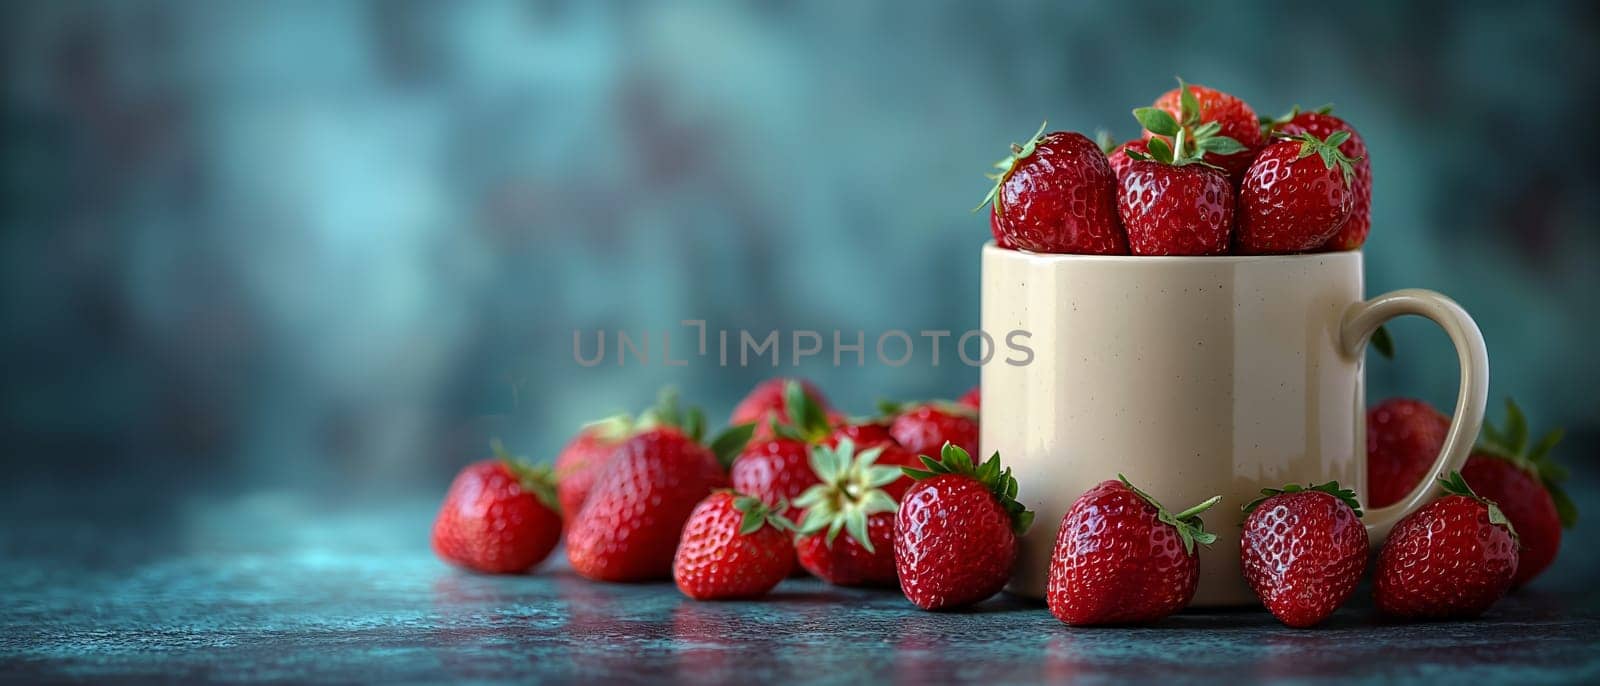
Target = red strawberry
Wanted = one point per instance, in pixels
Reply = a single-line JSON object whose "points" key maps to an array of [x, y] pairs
{"points": [[1057, 194], [770, 398], [1322, 125], [1526, 485], [1404, 437], [500, 516], [579, 462], [774, 471], [628, 528], [972, 398], [1232, 117], [1171, 200], [1296, 195], [1451, 559], [924, 428], [733, 546], [955, 535], [1122, 558], [850, 499], [1303, 550], [1120, 159], [999, 236]]}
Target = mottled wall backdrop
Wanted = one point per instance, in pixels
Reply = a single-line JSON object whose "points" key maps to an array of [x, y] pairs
{"points": [[291, 244]]}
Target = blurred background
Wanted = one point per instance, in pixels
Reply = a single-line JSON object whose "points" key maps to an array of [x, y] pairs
{"points": [[312, 252]]}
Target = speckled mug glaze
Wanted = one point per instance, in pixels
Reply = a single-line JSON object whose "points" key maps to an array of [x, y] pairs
{"points": [[1196, 376]]}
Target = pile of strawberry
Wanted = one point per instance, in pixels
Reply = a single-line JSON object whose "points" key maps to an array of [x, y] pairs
{"points": [[1206, 177]]}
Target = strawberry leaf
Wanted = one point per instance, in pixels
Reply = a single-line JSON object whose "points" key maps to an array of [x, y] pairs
{"points": [[732, 441], [1156, 121]]}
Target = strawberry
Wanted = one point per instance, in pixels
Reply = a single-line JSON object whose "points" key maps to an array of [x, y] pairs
{"points": [[628, 528], [850, 499], [955, 535], [1303, 550], [1526, 485], [1296, 195], [770, 398], [924, 428], [1120, 157], [733, 546], [1322, 124], [579, 462], [1404, 437], [1198, 107], [999, 236], [500, 516], [1057, 194], [1122, 558], [1171, 200], [775, 466], [1451, 559], [972, 398]]}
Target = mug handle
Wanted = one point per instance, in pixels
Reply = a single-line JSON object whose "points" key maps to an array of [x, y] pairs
{"points": [[1360, 321]]}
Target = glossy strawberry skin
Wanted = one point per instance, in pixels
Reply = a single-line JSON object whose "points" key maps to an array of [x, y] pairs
{"points": [[1238, 121], [972, 399], [1290, 204], [871, 435], [846, 562], [628, 528], [1526, 503], [1119, 159], [775, 471], [489, 523], [577, 465], [767, 398], [716, 562], [924, 429], [1404, 437], [1116, 563], [1303, 554], [953, 543], [1169, 210], [999, 236], [1444, 561], [1061, 199], [1354, 231]]}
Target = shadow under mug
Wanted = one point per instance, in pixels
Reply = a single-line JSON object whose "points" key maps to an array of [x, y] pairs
{"points": [[1196, 376]]}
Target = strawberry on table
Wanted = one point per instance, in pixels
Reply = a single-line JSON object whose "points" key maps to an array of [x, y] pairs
{"points": [[924, 428], [776, 467], [629, 525], [955, 535], [1321, 123], [850, 500], [1303, 550], [1121, 158], [1199, 107], [1452, 559], [579, 462], [1404, 437], [500, 516], [1056, 194], [1526, 484], [770, 398], [1296, 195], [733, 546], [1122, 558], [1172, 201]]}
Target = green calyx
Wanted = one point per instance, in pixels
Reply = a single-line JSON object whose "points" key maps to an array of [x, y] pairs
{"points": [[851, 490], [1347, 496], [1270, 125], [536, 479], [803, 420], [1008, 165], [1183, 140], [1328, 150], [954, 460], [757, 514], [669, 412], [1456, 484], [1511, 444], [1187, 522], [612, 429]]}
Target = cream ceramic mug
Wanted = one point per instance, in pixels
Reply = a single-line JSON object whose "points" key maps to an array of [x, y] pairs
{"points": [[1196, 376]]}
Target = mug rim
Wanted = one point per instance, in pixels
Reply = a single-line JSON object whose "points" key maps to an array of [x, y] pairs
{"points": [[990, 246]]}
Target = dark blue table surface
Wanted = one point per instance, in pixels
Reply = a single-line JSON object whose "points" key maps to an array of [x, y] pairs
{"points": [[281, 588]]}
